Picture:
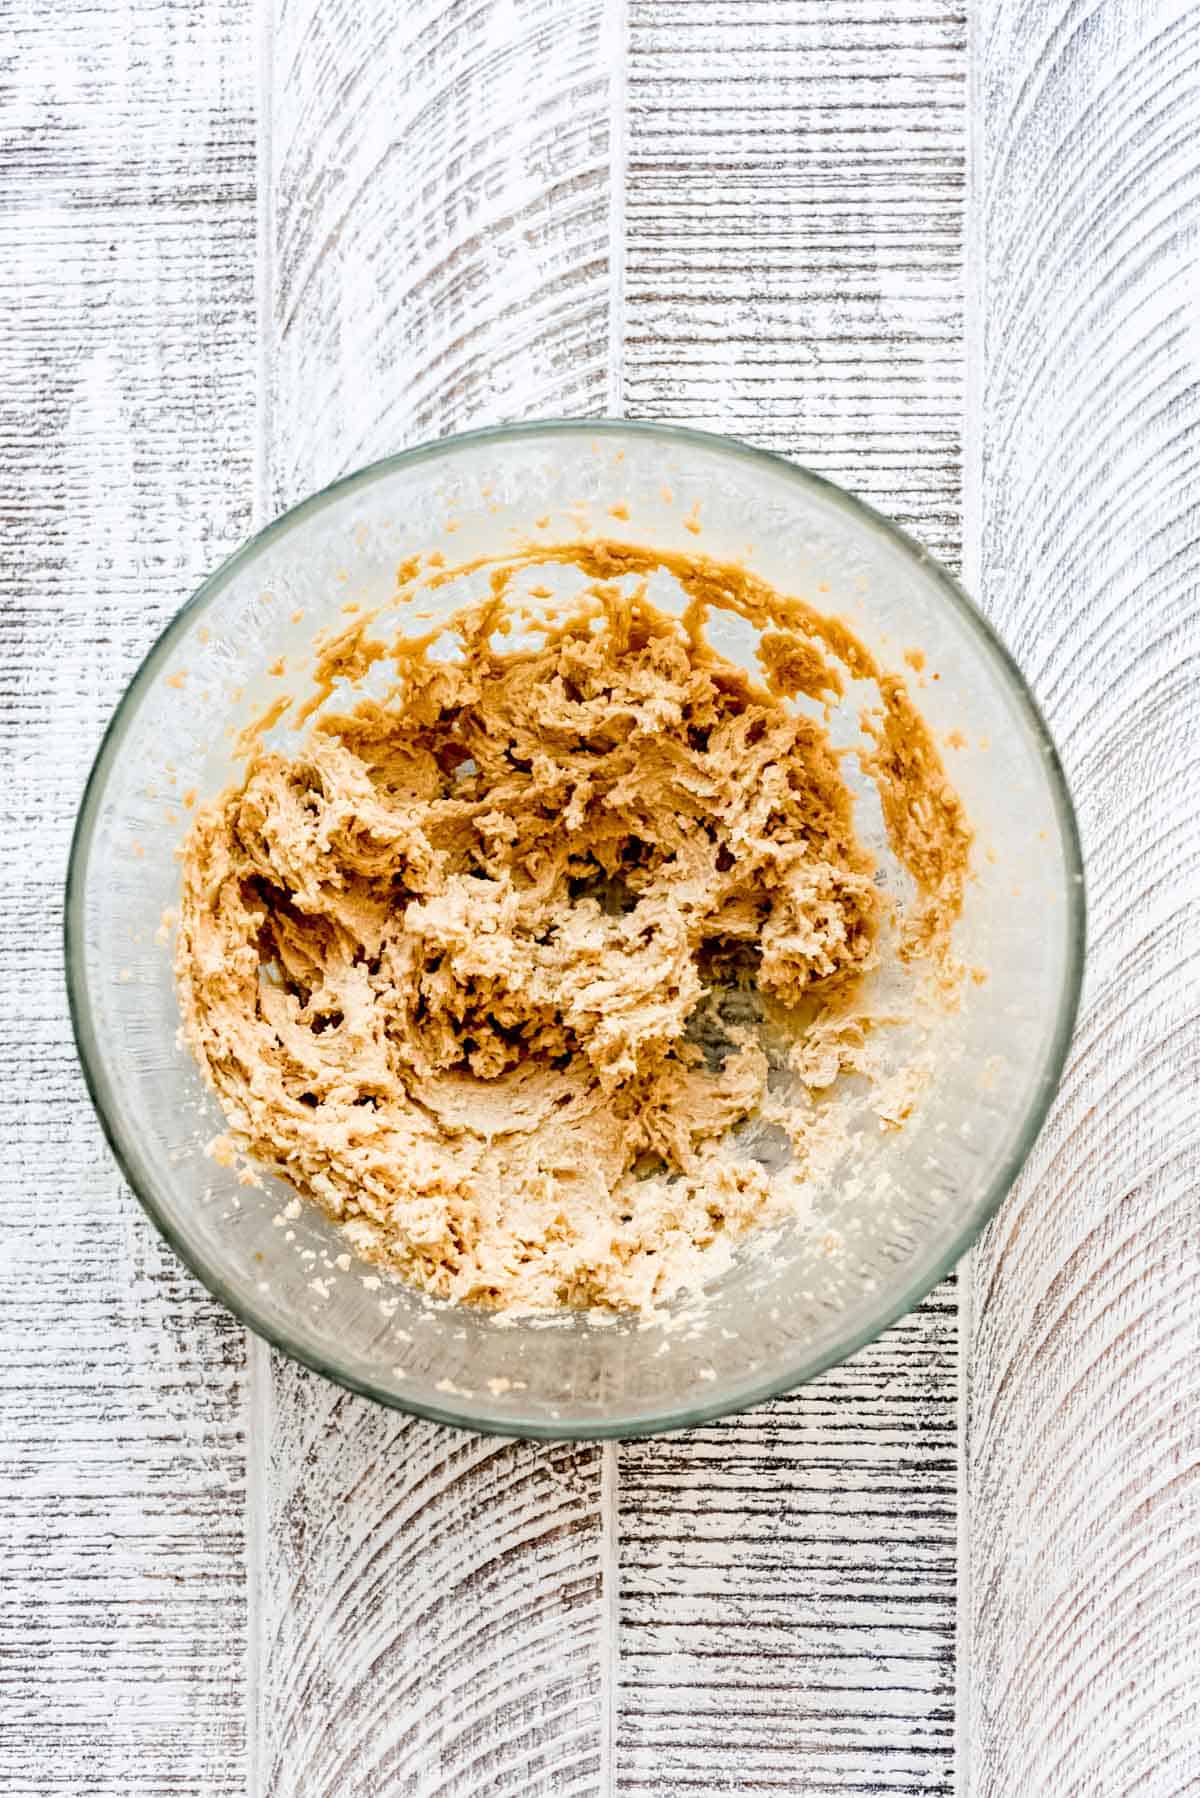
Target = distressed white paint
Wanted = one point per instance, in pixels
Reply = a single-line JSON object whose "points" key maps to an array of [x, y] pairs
{"points": [[127, 394], [1082, 1617], [788, 1585], [747, 215], [794, 207], [433, 1609], [794, 275]]}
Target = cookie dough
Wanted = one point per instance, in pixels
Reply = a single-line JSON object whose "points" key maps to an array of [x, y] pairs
{"points": [[481, 970]]}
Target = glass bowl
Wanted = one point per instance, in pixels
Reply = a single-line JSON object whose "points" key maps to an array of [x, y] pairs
{"points": [[793, 1302]]}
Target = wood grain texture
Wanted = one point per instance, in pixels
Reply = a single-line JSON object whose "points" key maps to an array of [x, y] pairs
{"points": [[432, 1612], [127, 373], [440, 199], [794, 274], [1083, 1616], [788, 1584], [794, 205], [432, 1603]]}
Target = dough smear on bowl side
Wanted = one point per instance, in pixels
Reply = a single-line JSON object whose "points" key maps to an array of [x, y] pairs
{"points": [[471, 969]]}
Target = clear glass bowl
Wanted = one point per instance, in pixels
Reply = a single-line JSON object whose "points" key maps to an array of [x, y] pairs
{"points": [[789, 1306]]}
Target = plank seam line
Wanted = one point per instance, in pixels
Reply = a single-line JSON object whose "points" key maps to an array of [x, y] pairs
{"points": [[264, 272], [618, 168], [258, 1368], [974, 250], [258, 1354], [962, 1586], [617, 18], [610, 1618]]}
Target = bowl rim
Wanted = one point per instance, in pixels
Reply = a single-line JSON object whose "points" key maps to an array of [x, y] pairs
{"points": [[929, 1270]]}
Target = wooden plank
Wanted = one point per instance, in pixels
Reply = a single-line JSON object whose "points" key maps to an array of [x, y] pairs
{"points": [[1082, 1625], [440, 206], [788, 1585], [432, 1612], [127, 367], [794, 208]]}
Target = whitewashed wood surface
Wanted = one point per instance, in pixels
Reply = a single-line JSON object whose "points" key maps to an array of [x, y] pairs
{"points": [[948, 257]]}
